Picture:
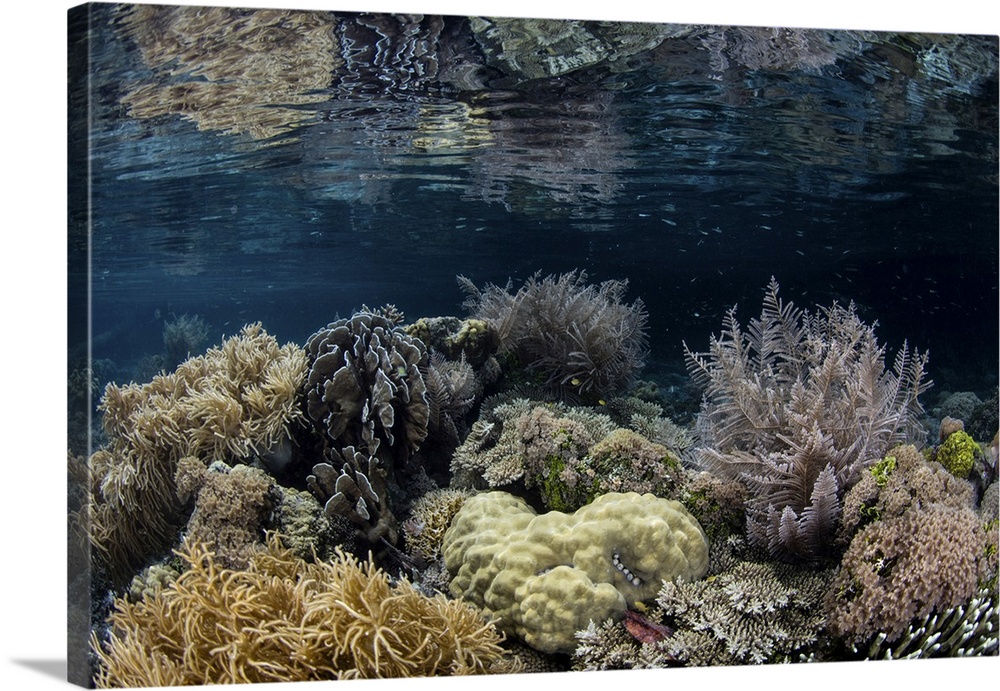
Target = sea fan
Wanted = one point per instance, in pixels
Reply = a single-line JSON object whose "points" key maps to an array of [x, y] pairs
{"points": [[795, 407]]}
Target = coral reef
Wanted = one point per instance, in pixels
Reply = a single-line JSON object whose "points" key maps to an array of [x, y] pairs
{"points": [[473, 340], [964, 631], [286, 619], [901, 481], [718, 504], [611, 646], [581, 338], [796, 407], [901, 568], [430, 517], [543, 577], [752, 613], [552, 444], [513, 440], [747, 612], [235, 403], [364, 387], [231, 509]]}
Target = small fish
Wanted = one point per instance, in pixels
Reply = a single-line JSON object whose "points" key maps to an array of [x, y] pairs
{"points": [[601, 401], [575, 381]]}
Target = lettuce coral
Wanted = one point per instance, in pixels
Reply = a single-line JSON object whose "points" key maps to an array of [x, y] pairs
{"points": [[285, 619], [364, 387], [544, 577]]}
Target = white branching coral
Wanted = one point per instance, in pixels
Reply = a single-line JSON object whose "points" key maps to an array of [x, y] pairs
{"points": [[795, 406]]}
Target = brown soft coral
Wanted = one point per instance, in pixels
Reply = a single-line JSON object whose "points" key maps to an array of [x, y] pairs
{"points": [[901, 568], [285, 619]]}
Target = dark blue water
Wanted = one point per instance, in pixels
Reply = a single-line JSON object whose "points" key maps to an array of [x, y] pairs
{"points": [[695, 171]]}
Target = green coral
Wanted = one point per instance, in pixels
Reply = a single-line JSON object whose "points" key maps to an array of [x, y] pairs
{"points": [[545, 577], [958, 453], [882, 469]]}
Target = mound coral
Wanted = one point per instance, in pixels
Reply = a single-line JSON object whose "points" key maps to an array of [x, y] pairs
{"points": [[233, 403], [512, 440], [957, 453], [796, 407], [582, 338], [544, 577], [902, 568], [285, 619]]}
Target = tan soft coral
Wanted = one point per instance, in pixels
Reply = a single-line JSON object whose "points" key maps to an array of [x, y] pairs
{"points": [[285, 619], [234, 402]]}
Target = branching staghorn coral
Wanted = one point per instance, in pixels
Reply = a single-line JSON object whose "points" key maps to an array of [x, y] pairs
{"points": [[796, 407], [233, 403], [285, 619], [752, 613], [579, 337]]}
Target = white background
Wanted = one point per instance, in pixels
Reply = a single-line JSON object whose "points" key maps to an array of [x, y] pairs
{"points": [[33, 332]]}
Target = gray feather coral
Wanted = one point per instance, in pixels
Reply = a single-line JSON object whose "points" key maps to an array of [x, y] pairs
{"points": [[795, 406], [577, 336]]}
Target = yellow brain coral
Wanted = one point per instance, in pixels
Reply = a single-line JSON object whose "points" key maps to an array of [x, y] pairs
{"points": [[285, 619], [544, 577]]}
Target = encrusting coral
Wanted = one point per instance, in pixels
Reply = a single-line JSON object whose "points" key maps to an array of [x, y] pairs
{"points": [[234, 403], [579, 337], [796, 407], [430, 517], [544, 577], [285, 619]]}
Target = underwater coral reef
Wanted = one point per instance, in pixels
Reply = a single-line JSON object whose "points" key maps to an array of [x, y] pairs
{"points": [[445, 496]]}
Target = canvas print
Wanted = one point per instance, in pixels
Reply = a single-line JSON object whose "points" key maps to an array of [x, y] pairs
{"points": [[410, 345]]}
